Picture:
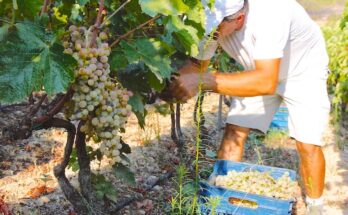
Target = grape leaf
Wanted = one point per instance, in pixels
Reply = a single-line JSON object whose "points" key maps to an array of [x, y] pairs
{"points": [[196, 18], [154, 82], [125, 149], [117, 60], [82, 2], [5, 7], [73, 164], [103, 187], [137, 103], [64, 10], [165, 7], [4, 31], [186, 34], [125, 158], [211, 3], [151, 53], [31, 61], [196, 13], [29, 9], [25, 9], [133, 73], [122, 172]]}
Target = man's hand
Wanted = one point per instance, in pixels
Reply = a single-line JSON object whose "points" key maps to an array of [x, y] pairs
{"points": [[185, 86]]}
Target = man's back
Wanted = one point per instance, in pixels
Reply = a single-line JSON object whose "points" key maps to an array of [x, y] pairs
{"points": [[279, 29]]}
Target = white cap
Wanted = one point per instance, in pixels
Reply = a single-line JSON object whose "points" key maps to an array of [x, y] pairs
{"points": [[219, 11]]}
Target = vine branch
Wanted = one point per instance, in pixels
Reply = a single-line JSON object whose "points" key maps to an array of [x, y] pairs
{"points": [[173, 127], [37, 106], [3, 107], [122, 203], [56, 108], [44, 7], [84, 175], [14, 8], [114, 13], [116, 42], [83, 161], [97, 23], [59, 171], [178, 126]]}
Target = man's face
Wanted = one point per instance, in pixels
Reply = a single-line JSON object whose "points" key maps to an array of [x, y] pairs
{"points": [[229, 26]]}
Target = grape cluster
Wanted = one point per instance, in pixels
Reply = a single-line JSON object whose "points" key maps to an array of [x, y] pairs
{"points": [[260, 183], [98, 100]]}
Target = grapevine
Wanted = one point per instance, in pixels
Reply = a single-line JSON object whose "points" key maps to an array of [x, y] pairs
{"points": [[95, 62]]}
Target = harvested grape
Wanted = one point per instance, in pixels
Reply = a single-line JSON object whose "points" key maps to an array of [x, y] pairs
{"points": [[260, 183]]}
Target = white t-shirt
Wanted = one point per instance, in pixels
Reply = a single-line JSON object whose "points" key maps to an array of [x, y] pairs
{"points": [[276, 29]]}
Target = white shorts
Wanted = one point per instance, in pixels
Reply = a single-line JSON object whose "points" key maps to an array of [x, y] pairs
{"points": [[307, 102]]}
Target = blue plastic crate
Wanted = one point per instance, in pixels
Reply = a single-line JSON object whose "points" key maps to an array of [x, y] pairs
{"points": [[265, 205], [280, 119]]}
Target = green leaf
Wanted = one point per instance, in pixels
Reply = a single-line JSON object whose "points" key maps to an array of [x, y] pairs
{"points": [[94, 154], [117, 60], [154, 82], [58, 70], [125, 148], [136, 101], [151, 52], [125, 158], [75, 13], [163, 109], [29, 9], [122, 172], [141, 118], [134, 73], [64, 10], [211, 3], [196, 18], [42, 20], [73, 164], [165, 7], [196, 13], [186, 34], [33, 36], [4, 31], [210, 153], [82, 2], [104, 188], [31, 61]]}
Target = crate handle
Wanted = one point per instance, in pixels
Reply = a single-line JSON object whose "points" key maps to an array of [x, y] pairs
{"points": [[246, 203]]}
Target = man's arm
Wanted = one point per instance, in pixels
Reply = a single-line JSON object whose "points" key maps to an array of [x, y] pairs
{"points": [[261, 81]]}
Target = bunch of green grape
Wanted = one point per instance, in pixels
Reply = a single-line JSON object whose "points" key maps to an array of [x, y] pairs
{"points": [[260, 183], [98, 100]]}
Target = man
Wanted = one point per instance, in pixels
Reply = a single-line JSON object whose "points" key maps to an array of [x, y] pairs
{"points": [[284, 55]]}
